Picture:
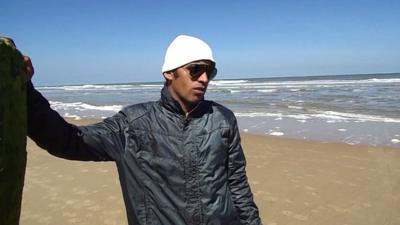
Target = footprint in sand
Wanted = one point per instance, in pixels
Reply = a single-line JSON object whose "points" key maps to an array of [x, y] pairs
{"points": [[112, 213], [352, 184], [75, 220], [260, 193], [94, 208], [288, 201], [367, 205], [45, 220], [110, 222], [69, 214], [294, 181], [294, 215], [53, 194], [71, 201], [80, 192], [88, 202], [309, 188], [54, 205], [112, 197], [338, 181], [272, 199]]}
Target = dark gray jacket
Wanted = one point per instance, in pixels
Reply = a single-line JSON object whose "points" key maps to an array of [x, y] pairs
{"points": [[173, 169]]}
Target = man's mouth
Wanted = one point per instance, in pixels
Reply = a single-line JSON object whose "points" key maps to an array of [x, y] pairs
{"points": [[199, 90]]}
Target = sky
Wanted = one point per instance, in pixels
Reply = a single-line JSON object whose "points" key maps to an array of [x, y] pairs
{"points": [[119, 41]]}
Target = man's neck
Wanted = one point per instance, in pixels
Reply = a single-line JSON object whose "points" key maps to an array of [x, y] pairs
{"points": [[185, 107]]}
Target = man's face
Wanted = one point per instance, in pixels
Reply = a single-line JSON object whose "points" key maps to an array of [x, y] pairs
{"points": [[188, 83]]}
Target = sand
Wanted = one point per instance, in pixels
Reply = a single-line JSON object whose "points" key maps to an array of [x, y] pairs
{"points": [[293, 181]]}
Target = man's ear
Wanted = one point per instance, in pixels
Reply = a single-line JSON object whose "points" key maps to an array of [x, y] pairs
{"points": [[168, 76]]}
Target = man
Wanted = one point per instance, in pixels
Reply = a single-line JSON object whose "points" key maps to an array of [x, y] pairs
{"points": [[179, 159]]}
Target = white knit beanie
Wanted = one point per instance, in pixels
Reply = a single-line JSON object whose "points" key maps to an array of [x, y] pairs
{"points": [[185, 49]]}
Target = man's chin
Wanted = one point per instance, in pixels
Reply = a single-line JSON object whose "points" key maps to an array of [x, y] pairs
{"points": [[198, 98], [195, 100]]}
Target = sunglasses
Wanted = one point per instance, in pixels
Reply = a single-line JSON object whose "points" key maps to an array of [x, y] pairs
{"points": [[196, 70]]}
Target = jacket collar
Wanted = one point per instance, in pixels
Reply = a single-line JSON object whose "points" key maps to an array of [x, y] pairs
{"points": [[172, 105]]}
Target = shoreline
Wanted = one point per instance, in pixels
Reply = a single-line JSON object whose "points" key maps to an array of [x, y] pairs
{"points": [[322, 135], [352, 109], [297, 182], [369, 133]]}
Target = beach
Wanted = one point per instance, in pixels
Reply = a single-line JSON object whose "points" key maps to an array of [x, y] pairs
{"points": [[293, 182]]}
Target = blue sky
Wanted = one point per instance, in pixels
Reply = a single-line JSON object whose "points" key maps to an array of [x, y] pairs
{"points": [[87, 41]]}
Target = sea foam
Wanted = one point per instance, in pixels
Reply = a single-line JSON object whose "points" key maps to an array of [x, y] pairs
{"points": [[80, 106]]}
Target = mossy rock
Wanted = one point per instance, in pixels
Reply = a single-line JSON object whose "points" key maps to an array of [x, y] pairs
{"points": [[13, 126]]}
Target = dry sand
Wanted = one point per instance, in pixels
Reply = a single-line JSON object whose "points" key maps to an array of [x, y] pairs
{"points": [[294, 182]]}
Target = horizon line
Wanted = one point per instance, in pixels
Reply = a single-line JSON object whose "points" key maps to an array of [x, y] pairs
{"points": [[248, 78]]}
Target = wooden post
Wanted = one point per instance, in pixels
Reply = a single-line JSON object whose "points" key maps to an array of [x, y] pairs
{"points": [[13, 128]]}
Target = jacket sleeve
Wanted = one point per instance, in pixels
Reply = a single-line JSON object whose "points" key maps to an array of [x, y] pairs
{"points": [[98, 142], [238, 183]]}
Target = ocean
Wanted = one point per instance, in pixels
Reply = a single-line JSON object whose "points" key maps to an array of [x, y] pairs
{"points": [[352, 109]]}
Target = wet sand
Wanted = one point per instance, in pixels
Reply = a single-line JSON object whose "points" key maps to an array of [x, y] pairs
{"points": [[294, 182]]}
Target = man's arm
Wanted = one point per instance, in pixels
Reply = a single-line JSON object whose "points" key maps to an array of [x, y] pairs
{"points": [[239, 186], [103, 141]]}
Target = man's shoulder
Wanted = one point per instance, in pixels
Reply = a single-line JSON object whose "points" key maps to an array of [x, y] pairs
{"points": [[221, 110], [135, 111]]}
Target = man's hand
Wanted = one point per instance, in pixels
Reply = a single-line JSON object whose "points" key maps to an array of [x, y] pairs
{"points": [[28, 67], [29, 70]]}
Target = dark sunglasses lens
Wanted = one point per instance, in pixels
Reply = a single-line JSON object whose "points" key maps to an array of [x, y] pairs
{"points": [[212, 73], [197, 70]]}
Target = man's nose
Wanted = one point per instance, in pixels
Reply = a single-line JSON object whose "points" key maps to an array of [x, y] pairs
{"points": [[203, 77]]}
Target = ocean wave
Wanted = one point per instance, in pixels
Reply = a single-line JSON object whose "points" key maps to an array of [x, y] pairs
{"points": [[87, 87], [276, 133], [76, 117], [294, 107], [230, 84], [107, 87], [258, 114], [378, 80], [267, 90], [329, 116], [354, 116], [80, 106], [152, 85], [225, 82], [234, 91], [300, 84]]}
